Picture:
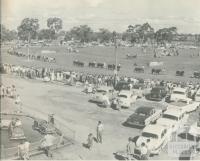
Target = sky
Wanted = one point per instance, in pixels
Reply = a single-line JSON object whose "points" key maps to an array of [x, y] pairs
{"points": [[111, 14]]}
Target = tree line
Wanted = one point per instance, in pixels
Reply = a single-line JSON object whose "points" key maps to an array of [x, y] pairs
{"points": [[140, 33]]}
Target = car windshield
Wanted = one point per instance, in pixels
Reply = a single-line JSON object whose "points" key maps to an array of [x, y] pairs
{"points": [[101, 91], [122, 95], [198, 95], [178, 92], [149, 135], [141, 113], [171, 117]]}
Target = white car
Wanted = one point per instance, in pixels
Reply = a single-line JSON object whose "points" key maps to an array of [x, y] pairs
{"points": [[195, 129], [197, 96], [173, 118], [187, 105], [155, 137], [125, 99], [178, 93], [103, 94]]}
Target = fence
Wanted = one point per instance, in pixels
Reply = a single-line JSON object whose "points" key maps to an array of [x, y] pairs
{"points": [[65, 137]]}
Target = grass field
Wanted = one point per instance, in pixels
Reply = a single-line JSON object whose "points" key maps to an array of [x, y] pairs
{"points": [[64, 60]]}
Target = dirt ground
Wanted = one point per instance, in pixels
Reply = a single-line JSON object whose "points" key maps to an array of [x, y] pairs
{"points": [[74, 112]]}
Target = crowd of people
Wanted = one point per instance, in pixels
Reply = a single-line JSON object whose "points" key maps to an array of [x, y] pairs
{"points": [[73, 77]]}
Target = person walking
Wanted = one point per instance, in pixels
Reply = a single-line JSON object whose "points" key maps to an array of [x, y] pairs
{"points": [[100, 129], [90, 141]]}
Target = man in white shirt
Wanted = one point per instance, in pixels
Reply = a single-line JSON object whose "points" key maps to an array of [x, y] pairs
{"points": [[46, 144], [144, 152], [26, 149], [100, 129]]}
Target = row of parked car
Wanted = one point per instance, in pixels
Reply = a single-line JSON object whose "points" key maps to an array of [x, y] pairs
{"points": [[158, 124]]}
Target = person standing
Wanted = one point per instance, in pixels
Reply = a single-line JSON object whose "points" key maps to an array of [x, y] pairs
{"points": [[130, 148], [100, 129], [144, 152], [21, 150], [26, 149], [47, 143]]}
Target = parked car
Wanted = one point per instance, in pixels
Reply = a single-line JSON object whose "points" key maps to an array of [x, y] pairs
{"points": [[125, 99], [187, 105], [197, 96], [155, 137], [103, 94], [143, 116], [173, 118], [178, 93], [195, 129], [122, 85], [157, 93]]}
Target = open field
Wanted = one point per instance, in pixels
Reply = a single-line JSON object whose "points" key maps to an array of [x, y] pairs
{"points": [[65, 60]]}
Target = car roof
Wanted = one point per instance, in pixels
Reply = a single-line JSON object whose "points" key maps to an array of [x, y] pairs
{"points": [[173, 110], [198, 91], [144, 109], [180, 89], [155, 129], [125, 92]]}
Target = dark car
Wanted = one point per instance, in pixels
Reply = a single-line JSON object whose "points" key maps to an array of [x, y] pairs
{"points": [[157, 94], [122, 85], [143, 116]]}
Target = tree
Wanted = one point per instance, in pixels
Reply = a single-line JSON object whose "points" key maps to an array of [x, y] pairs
{"points": [[165, 34], [54, 24], [83, 33], [7, 35], [46, 34], [104, 35], [28, 29], [145, 32]]}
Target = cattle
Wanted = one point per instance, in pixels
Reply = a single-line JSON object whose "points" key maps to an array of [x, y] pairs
{"points": [[139, 69], [100, 65], [92, 64], [112, 67], [196, 74], [157, 71], [180, 73], [78, 63]]}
